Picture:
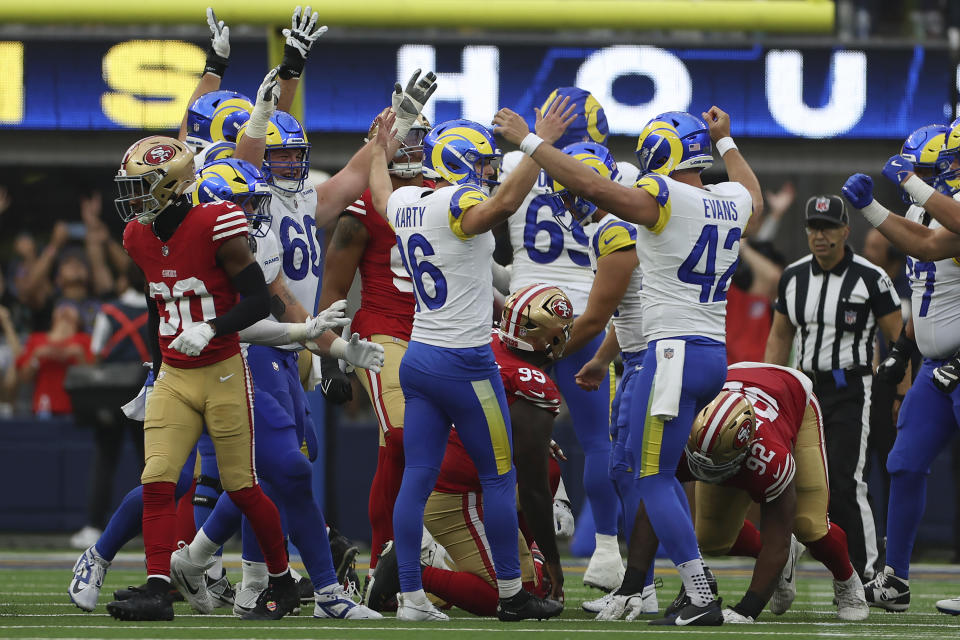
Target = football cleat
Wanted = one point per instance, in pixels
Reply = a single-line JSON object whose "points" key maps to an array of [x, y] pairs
{"points": [[605, 570], [189, 577], [88, 573], [691, 615], [344, 559], [423, 611], [786, 591], [682, 600], [221, 591], [254, 581], [125, 594], [333, 602], [142, 605], [851, 602], [732, 617], [384, 584], [281, 597], [950, 606], [887, 591], [525, 606]]}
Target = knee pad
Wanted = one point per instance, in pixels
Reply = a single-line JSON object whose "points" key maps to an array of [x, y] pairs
{"points": [[809, 529], [207, 491], [157, 469]]}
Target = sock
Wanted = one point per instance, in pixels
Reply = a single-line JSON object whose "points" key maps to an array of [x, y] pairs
{"points": [[415, 598], [832, 551], [748, 543], [253, 575], [186, 527], [633, 582], [468, 591], [408, 524], [508, 588], [667, 508], [908, 492], [265, 521], [383, 492], [159, 526], [158, 584], [202, 547], [695, 582], [216, 571]]}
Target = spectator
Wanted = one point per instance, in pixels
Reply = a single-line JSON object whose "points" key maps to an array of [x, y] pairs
{"points": [[9, 352], [120, 336], [47, 356]]}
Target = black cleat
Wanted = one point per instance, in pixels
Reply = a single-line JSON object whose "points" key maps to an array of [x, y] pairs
{"points": [[142, 605], [525, 606], [129, 592], [344, 559], [281, 597], [694, 616], [305, 589], [384, 584], [682, 600]]}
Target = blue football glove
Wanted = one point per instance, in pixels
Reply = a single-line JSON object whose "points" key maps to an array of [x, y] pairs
{"points": [[858, 190], [897, 169]]}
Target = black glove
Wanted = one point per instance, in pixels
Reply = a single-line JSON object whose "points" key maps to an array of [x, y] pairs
{"points": [[946, 377], [334, 384], [894, 366]]}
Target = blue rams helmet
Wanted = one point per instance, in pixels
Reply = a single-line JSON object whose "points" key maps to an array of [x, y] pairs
{"points": [[217, 151], [285, 136], [240, 182], [591, 126], [932, 149], [597, 157], [458, 151], [696, 150], [217, 115]]}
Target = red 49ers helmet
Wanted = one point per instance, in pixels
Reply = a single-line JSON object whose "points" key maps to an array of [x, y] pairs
{"points": [[720, 437], [537, 317]]}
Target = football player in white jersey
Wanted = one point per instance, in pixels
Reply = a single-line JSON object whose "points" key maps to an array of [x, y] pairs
{"points": [[688, 237], [547, 252], [926, 171], [449, 374]]}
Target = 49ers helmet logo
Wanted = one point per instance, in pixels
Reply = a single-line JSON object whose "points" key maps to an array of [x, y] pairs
{"points": [[561, 308], [743, 436], [159, 154]]}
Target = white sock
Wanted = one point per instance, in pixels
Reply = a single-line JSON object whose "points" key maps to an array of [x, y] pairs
{"points": [[607, 543], [415, 598], [202, 547], [509, 588], [296, 575], [216, 571], [162, 577], [254, 574], [695, 582]]}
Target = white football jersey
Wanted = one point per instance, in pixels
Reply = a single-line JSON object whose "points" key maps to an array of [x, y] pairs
{"points": [[450, 269], [543, 251], [935, 299], [689, 256], [614, 234], [266, 251]]}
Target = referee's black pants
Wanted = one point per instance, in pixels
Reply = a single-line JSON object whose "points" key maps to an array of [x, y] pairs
{"points": [[846, 428]]}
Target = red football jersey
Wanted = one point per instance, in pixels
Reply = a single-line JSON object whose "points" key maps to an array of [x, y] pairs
{"points": [[185, 280], [779, 400], [386, 293], [522, 381]]}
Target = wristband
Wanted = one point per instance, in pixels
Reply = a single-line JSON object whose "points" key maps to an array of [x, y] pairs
{"points": [[256, 126], [919, 190], [292, 64], [530, 143], [297, 331], [215, 65], [338, 348], [875, 213], [725, 144], [750, 605]]}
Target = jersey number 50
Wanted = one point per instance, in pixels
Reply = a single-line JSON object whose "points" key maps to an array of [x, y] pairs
{"points": [[418, 269], [707, 243]]}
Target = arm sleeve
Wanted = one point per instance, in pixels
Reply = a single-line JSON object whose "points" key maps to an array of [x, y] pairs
{"points": [[266, 332], [254, 304]]}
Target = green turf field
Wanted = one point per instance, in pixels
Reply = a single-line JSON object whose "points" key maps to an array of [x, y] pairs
{"points": [[34, 604]]}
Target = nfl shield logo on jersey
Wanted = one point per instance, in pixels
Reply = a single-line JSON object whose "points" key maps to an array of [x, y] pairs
{"points": [[668, 353]]}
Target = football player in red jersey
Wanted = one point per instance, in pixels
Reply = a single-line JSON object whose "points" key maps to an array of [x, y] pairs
{"points": [[534, 331], [364, 240], [761, 440], [203, 287]]}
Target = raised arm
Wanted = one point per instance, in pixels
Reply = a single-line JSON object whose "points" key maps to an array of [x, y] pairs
{"points": [[252, 145], [218, 57], [737, 168], [944, 209], [300, 37]]}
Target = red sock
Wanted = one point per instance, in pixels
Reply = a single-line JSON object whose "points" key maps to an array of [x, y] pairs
{"points": [[465, 590], [186, 525], [159, 526], [748, 543], [383, 492], [265, 520], [832, 551], [554, 472]]}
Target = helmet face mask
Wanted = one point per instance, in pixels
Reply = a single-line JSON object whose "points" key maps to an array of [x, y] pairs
{"points": [[577, 209], [286, 160], [537, 318], [240, 182], [154, 172], [407, 162], [720, 438]]}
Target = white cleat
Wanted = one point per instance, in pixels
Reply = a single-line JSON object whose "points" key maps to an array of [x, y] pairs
{"points": [[422, 611], [786, 591], [950, 606], [333, 602], [732, 617], [88, 573], [433, 554], [851, 601], [254, 581], [189, 576], [605, 570]]}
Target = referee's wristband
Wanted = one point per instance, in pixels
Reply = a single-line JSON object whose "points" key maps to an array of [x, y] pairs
{"points": [[919, 190], [530, 143], [725, 144], [875, 213]]}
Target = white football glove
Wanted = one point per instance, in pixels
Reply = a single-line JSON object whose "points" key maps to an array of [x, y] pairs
{"points": [[360, 353], [408, 103], [219, 34], [332, 317], [193, 340], [562, 518], [732, 617], [303, 31], [267, 97], [627, 607]]}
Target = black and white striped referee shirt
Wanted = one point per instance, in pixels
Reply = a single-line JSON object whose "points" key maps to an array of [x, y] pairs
{"points": [[835, 311]]}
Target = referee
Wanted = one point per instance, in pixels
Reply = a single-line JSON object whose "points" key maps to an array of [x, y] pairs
{"points": [[837, 299]]}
